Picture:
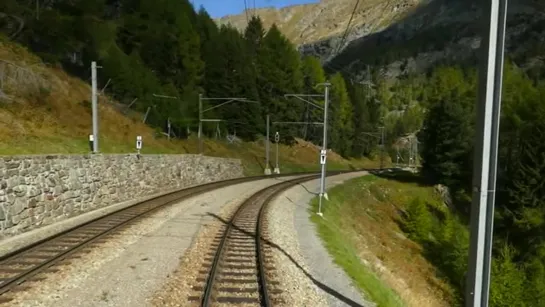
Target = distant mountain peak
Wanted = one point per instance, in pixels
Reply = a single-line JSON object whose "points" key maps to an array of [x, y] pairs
{"points": [[309, 23]]}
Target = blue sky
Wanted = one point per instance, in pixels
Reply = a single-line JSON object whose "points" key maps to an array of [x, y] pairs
{"points": [[219, 8]]}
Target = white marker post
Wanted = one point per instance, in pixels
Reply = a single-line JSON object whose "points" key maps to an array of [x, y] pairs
{"points": [[138, 143], [323, 158], [91, 141]]}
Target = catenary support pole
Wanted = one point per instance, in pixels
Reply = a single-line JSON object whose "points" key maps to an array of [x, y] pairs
{"points": [[324, 150], [267, 148], [168, 128], [277, 169], [94, 105], [486, 151], [200, 124], [381, 147], [277, 140]]}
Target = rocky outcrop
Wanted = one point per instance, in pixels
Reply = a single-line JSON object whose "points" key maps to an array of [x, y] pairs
{"points": [[442, 31], [41, 190]]}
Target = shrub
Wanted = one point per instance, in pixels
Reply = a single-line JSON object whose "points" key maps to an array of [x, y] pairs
{"points": [[507, 282], [419, 221], [452, 251], [535, 279]]}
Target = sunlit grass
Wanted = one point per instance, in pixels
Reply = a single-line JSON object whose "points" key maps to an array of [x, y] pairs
{"points": [[361, 230]]}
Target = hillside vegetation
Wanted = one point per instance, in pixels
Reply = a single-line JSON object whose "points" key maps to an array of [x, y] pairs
{"points": [[441, 107], [374, 232], [151, 49], [48, 112], [447, 136]]}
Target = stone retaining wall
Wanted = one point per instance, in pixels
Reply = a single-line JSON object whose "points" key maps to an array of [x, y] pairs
{"points": [[40, 190]]}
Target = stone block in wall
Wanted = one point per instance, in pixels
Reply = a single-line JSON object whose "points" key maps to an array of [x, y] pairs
{"points": [[40, 190]]}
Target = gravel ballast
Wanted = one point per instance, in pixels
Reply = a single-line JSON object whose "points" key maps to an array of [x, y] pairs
{"points": [[309, 276], [132, 265]]}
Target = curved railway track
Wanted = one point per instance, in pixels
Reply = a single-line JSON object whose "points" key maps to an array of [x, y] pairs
{"points": [[22, 265], [238, 269]]}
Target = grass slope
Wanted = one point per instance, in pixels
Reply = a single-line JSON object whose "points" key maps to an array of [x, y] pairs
{"points": [[362, 231], [43, 110]]}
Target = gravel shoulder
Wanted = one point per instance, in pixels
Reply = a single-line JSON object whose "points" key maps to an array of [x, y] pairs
{"points": [[128, 268], [310, 278]]}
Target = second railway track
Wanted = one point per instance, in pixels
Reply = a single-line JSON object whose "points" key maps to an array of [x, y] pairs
{"points": [[232, 267], [238, 269], [23, 265]]}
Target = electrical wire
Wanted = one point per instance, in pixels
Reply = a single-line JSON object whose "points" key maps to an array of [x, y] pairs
{"points": [[343, 39], [246, 11], [345, 34]]}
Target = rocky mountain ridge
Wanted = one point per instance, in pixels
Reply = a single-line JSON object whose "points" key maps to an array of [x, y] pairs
{"points": [[325, 22], [399, 37]]}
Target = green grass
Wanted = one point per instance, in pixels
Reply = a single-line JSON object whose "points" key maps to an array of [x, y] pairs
{"points": [[344, 253], [363, 230]]}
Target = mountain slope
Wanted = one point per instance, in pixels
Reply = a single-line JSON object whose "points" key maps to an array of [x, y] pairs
{"points": [[443, 31], [43, 110], [327, 20], [398, 37]]}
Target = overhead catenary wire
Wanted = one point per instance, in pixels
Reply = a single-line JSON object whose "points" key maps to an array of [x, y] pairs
{"points": [[343, 38], [246, 11]]}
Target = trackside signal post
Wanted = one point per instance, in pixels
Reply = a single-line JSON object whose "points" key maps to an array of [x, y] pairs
{"points": [[267, 150], [486, 153], [324, 140], [276, 140]]}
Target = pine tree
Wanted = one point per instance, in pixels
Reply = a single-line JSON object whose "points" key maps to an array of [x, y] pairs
{"points": [[214, 63], [280, 74], [366, 118], [527, 189], [232, 77], [447, 139], [341, 125], [313, 74], [254, 35]]}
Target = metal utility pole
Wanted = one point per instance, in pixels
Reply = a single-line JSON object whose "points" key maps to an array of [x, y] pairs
{"points": [[146, 115], [277, 140], [410, 152], [94, 105], [416, 153], [486, 154], [323, 155], [267, 150], [168, 119], [168, 128], [381, 147], [201, 112], [199, 135]]}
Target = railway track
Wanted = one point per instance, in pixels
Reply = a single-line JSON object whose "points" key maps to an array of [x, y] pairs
{"points": [[23, 265], [238, 269]]}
